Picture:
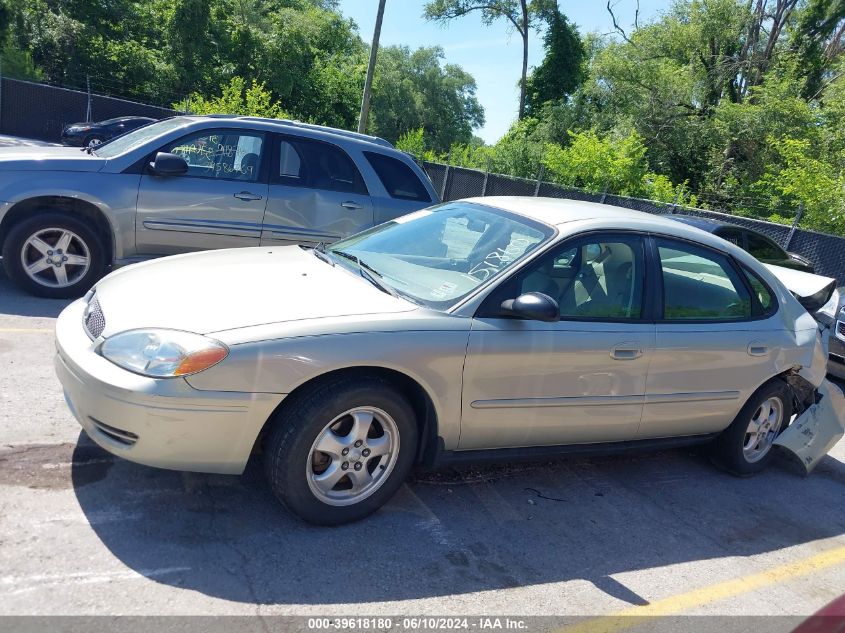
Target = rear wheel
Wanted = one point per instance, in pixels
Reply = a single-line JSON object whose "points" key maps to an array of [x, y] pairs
{"points": [[747, 445], [53, 255], [340, 451]]}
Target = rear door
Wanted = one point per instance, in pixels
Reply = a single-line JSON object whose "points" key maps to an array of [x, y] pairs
{"points": [[218, 203], [316, 192], [714, 343]]}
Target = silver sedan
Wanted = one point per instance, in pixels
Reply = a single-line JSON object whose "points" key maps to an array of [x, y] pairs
{"points": [[490, 328]]}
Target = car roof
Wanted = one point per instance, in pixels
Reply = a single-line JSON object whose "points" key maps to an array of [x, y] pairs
{"points": [[558, 212], [283, 124], [705, 224]]}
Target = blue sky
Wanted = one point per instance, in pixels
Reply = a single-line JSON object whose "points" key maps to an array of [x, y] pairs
{"points": [[491, 54]]}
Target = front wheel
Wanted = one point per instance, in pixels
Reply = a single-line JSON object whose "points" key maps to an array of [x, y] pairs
{"points": [[54, 255], [747, 445], [339, 452]]}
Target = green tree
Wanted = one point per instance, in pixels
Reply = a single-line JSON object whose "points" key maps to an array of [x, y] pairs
{"points": [[562, 70], [237, 98], [415, 90], [523, 15]]}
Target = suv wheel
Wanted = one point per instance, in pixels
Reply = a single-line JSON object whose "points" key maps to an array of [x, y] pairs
{"points": [[341, 451], [53, 255]]}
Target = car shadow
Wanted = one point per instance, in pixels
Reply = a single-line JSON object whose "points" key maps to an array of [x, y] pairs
{"points": [[15, 301], [452, 533]]}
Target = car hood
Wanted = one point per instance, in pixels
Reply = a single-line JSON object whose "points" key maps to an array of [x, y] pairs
{"points": [[227, 289], [48, 158]]}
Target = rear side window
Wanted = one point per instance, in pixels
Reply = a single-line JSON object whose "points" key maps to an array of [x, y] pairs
{"points": [[764, 249], [760, 290], [306, 163], [700, 285], [398, 179]]}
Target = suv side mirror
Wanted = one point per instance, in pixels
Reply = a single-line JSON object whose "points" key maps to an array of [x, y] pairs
{"points": [[169, 165], [535, 306]]}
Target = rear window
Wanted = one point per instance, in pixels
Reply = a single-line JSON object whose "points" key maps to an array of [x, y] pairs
{"points": [[398, 179]]}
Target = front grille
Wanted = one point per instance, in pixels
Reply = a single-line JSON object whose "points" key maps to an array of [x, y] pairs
{"points": [[120, 436], [840, 327], [95, 322]]}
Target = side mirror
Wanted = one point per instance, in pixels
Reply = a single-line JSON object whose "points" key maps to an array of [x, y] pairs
{"points": [[534, 306], [169, 165]]}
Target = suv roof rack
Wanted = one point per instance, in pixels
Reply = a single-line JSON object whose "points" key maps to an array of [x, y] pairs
{"points": [[308, 126]]}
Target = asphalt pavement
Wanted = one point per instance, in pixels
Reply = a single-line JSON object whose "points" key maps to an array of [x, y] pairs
{"points": [[83, 532]]}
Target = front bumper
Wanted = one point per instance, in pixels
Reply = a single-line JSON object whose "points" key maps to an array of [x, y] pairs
{"points": [[157, 422]]}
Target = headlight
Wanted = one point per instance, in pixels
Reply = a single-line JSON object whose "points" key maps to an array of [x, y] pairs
{"points": [[160, 353]]}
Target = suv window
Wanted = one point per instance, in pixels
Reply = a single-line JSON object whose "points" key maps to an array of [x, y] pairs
{"points": [[600, 277], [307, 163], [398, 179], [226, 155], [699, 284], [764, 249]]}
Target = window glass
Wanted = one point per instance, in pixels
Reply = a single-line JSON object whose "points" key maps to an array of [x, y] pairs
{"points": [[763, 248], [290, 164], [139, 137], [437, 256], [221, 155], [732, 235], [600, 278], [306, 163], [699, 284], [398, 179], [760, 290]]}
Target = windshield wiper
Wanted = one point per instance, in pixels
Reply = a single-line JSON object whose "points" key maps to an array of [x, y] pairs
{"points": [[369, 273], [320, 252]]}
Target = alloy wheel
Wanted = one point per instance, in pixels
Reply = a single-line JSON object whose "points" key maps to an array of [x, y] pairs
{"points": [[55, 257], [352, 456], [762, 429]]}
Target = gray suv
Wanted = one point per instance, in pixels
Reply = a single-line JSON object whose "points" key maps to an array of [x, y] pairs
{"points": [[193, 183]]}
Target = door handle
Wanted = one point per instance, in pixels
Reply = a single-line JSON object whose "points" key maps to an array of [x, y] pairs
{"points": [[350, 204], [756, 348], [626, 351], [246, 196]]}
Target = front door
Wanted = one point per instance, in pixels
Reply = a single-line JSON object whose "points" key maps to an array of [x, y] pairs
{"points": [[317, 194], [218, 203], [582, 379]]}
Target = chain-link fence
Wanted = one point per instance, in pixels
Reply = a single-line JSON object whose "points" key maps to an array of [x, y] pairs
{"points": [[41, 112], [826, 251]]}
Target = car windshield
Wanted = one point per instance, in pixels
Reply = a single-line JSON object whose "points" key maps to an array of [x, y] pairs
{"points": [[136, 138], [437, 256]]}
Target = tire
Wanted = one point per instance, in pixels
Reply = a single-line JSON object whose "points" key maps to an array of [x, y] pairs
{"points": [[93, 140], [734, 450], [324, 417], [51, 228]]}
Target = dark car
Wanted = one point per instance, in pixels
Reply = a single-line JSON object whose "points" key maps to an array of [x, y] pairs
{"points": [[92, 134], [763, 248]]}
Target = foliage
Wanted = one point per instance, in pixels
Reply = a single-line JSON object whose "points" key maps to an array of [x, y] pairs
{"points": [[523, 16], [562, 70], [800, 178], [414, 90], [303, 53], [237, 98]]}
